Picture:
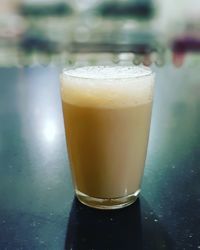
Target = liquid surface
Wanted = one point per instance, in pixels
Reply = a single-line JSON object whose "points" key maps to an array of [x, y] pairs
{"points": [[108, 72]]}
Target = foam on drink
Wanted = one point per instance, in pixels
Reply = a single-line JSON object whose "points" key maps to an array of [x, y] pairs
{"points": [[107, 86]]}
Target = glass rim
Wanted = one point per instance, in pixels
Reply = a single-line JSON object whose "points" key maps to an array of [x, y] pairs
{"points": [[66, 73]]}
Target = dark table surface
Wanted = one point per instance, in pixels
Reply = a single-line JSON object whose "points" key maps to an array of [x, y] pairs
{"points": [[37, 205]]}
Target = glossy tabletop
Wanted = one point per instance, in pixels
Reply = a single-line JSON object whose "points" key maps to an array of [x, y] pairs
{"points": [[37, 205]]}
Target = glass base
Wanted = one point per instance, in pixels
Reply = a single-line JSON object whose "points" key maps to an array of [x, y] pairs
{"points": [[107, 203]]}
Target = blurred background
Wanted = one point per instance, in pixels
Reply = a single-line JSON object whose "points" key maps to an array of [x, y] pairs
{"points": [[67, 32]]}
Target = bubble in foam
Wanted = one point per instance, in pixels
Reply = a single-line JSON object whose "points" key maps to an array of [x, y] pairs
{"points": [[108, 72]]}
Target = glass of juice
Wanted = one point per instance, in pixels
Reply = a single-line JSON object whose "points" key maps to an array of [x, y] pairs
{"points": [[107, 114]]}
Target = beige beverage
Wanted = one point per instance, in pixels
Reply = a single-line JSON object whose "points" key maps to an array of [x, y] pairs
{"points": [[107, 112]]}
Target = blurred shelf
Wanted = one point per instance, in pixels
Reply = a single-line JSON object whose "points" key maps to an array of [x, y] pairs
{"points": [[69, 31]]}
